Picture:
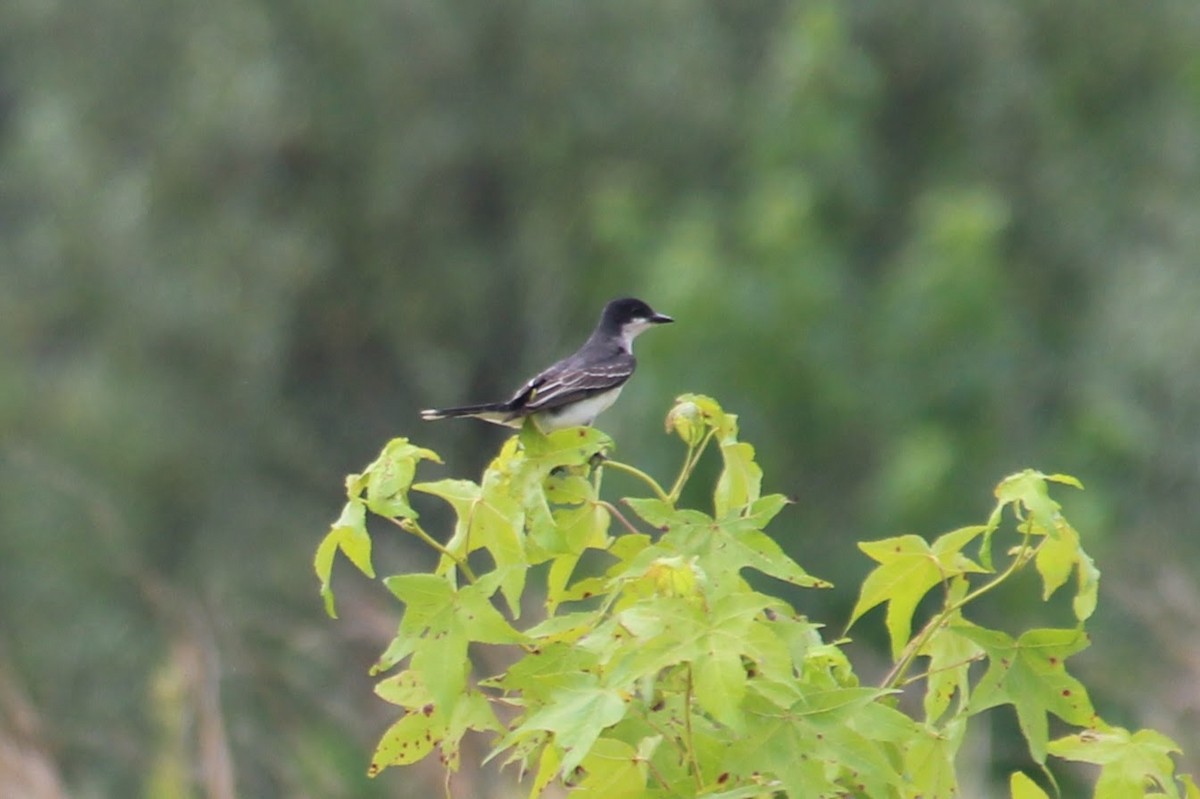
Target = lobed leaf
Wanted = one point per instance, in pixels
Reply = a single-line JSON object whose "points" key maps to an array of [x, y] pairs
{"points": [[1021, 787], [349, 534], [908, 568], [1128, 762], [1029, 673]]}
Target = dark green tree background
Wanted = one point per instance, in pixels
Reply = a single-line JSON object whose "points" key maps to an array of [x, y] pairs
{"points": [[916, 245]]}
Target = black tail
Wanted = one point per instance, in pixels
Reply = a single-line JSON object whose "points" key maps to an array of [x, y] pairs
{"points": [[490, 411]]}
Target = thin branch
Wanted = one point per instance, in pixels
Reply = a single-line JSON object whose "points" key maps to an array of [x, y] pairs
{"points": [[896, 676], [411, 526], [645, 478], [689, 465]]}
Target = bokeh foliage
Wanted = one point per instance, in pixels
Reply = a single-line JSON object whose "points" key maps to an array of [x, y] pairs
{"points": [[916, 244]]}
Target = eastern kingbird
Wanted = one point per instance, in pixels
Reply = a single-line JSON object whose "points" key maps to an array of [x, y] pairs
{"points": [[578, 388]]}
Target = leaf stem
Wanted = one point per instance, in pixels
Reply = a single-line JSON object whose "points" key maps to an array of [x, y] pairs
{"points": [[645, 478], [611, 508], [411, 526], [896, 677], [689, 465]]}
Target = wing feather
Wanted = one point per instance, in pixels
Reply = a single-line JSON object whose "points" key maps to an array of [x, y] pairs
{"points": [[562, 385]]}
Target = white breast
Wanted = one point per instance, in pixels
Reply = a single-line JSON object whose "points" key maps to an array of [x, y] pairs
{"points": [[577, 413]]}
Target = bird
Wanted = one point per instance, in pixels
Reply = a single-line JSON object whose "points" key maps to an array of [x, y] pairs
{"points": [[575, 390]]}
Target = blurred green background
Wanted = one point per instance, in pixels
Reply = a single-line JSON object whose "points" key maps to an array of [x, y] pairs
{"points": [[917, 245]]}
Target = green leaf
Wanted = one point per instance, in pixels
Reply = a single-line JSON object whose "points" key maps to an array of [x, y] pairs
{"points": [[427, 598], [488, 518], [929, 760], [404, 689], [662, 516], [740, 480], [408, 740], [749, 548], [814, 748], [701, 413], [349, 534], [613, 771], [472, 712], [442, 662], [1028, 490], [351, 529], [1057, 557], [908, 568], [480, 620], [571, 446], [764, 509], [1028, 493], [720, 682], [432, 611], [577, 714], [1021, 787], [548, 768], [1030, 674], [391, 474], [686, 421], [950, 658], [1128, 763], [1065, 479], [568, 489]]}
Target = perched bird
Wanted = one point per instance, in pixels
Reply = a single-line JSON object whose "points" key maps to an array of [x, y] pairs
{"points": [[578, 388]]}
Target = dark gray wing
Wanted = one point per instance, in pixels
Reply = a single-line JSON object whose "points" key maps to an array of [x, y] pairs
{"points": [[572, 380]]}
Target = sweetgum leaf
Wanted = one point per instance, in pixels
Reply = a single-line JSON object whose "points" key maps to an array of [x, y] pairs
{"points": [[929, 760], [814, 751], [349, 534], [612, 772], [408, 740], [577, 714], [391, 474], [702, 410], [549, 765], [488, 518], [1029, 673], [441, 661], [404, 689], [720, 683], [472, 712], [1128, 762], [740, 480], [1021, 787], [1059, 555], [908, 568], [571, 446], [950, 658]]}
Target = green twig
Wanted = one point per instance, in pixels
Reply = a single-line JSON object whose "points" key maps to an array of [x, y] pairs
{"points": [[926, 674], [411, 526], [689, 465], [896, 676], [611, 508], [645, 478]]}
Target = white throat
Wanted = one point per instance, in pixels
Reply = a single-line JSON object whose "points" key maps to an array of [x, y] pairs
{"points": [[630, 331]]}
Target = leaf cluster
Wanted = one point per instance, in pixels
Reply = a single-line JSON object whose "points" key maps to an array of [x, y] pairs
{"points": [[645, 664]]}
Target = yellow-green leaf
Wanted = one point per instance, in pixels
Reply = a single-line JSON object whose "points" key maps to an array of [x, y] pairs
{"points": [[1128, 762], [908, 568], [349, 534], [408, 740], [1021, 787], [1030, 674]]}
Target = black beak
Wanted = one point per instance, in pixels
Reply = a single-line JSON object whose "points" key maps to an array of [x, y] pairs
{"points": [[660, 319]]}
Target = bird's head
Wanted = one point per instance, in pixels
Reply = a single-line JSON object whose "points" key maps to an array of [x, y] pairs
{"points": [[628, 316]]}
